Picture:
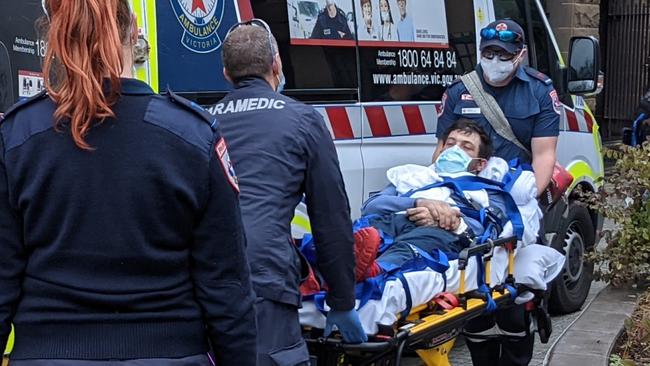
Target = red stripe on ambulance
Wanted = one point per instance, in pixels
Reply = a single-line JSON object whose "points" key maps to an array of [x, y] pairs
{"points": [[590, 122], [378, 121], [341, 127], [572, 120], [245, 10], [414, 120]]}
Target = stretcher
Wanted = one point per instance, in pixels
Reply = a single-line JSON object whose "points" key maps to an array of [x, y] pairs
{"points": [[430, 329]]}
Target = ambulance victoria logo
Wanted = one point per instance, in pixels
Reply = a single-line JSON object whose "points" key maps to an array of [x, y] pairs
{"points": [[200, 20]]}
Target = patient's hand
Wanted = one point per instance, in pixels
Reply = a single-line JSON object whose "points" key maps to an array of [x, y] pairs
{"points": [[442, 213], [421, 216]]}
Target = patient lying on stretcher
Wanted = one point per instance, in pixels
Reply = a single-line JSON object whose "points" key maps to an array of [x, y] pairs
{"points": [[444, 207], [429, 214]]}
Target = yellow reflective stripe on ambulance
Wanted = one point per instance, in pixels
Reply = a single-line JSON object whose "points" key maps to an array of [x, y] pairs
{"points": [[302, 222], [145, 11], [580, 170]]}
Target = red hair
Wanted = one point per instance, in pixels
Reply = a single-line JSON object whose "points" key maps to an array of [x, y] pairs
{"points": [[85, 39]]}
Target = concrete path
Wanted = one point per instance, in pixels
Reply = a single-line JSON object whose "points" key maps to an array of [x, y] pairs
{"points": [[589, 340]]}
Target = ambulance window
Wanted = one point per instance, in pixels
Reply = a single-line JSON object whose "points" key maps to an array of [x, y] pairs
{"points": [[313, 72], [548, 60], [440, 45]]}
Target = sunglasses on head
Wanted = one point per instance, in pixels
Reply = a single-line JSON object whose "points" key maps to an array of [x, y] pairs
{"points": [[257, 23], [502, 35]]}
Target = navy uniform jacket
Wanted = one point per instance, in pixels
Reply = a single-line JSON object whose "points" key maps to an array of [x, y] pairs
{"points": [[529, 102], [281, 149], [126, 251], [329, 28]]}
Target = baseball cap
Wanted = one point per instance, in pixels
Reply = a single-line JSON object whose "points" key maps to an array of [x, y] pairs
{"points": [[492, 36]]}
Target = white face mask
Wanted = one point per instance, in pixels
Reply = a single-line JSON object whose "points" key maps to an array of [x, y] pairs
{"points": [[496, 70]]}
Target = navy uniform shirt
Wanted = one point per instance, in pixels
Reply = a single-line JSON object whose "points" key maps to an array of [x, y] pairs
{"points": [[281, 149], [136, 245], [529, 102], [329, 28]]}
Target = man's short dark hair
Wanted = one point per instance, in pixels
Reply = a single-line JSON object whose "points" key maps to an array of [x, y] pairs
{"points": [[467, 126], [246, 52]]}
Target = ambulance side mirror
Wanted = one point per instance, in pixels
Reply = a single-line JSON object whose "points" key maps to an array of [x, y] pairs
{"points": [[584, 65]]}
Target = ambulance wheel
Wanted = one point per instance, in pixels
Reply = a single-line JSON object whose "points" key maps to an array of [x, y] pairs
{"points": [[575, 237]]}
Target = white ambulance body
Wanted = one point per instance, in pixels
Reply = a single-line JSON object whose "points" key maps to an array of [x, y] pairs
{"points": [[379, 97]]}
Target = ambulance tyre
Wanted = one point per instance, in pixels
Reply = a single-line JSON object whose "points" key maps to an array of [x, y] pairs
{"points": [[575, 238]]}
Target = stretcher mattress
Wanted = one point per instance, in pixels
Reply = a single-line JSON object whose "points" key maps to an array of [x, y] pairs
{"points": [[535, 266]]}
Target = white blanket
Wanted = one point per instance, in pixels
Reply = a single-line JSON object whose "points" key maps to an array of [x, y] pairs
{"points": [[535, 266]]}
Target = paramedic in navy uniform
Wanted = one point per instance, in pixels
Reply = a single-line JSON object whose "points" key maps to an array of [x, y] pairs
{"points": [[282, 149], [531, 105], [120, 234]]}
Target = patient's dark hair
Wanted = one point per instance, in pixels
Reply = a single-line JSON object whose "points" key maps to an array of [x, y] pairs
{"points": [[467, 127]]}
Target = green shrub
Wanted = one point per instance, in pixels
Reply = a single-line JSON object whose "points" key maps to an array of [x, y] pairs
{"points": [[624, 200]]}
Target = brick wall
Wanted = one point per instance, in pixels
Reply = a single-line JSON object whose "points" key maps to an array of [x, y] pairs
{"points": [[573, 18], [570, 18]]}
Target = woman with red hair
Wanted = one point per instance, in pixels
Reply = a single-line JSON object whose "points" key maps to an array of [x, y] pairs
{"points": [[120, 232]]}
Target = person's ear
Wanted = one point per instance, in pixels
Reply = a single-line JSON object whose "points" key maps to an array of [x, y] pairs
{"points": [[225, 74], [277, 64]]}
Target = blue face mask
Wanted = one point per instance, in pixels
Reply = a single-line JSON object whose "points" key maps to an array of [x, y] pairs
{"points": [[281, 82], [453, 160]]}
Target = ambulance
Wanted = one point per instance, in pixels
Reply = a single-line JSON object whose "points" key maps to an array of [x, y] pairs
{"points": [[379, 88]]}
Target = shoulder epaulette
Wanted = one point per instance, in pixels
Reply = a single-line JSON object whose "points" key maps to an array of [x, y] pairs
{"points": [[194, 108], [23, 103], [538, 75]]}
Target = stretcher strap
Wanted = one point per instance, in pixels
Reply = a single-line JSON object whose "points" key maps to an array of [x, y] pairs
{"points": [[407, 292], [319, 301], [446, 300], [490, 305], [516, 168], [370, 289], [512, 291], [475, 183]]}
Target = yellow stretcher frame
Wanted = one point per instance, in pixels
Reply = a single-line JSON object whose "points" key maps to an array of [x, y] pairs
{"points": [[427, 330]]}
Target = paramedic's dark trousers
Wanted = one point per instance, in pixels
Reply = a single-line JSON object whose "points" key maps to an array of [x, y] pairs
{"points": [[197, 360], [515, 349], [279, 336]]}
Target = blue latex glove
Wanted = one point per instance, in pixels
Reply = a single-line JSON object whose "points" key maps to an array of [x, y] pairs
{"points": [[348, 324]]}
